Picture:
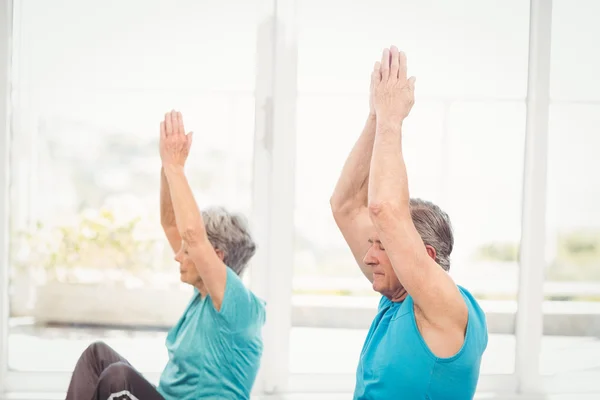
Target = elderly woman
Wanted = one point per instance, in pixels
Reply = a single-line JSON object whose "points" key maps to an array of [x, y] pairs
{"points": [[215, 348]]}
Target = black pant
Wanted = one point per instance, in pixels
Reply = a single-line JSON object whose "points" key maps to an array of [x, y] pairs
{"points": [[102, 374]]}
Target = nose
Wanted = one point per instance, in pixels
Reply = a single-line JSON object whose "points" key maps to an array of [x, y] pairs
{"points": [[178, 257], [369, 258]]}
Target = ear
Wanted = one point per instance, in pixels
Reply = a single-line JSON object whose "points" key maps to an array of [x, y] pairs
{"points": [[431, 251], [220, 253]]}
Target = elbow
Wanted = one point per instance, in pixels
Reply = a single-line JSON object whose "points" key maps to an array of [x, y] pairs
{"points": [[342, 211], [379, 210], [337, 207], [389, 215], [168, 223], [193, 235], [342, 208], [335, 204], [376, 209]]}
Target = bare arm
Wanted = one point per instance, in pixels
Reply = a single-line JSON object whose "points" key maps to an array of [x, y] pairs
{"points": [[431, 288], [167, 216], [175, 144], [349, 199]]}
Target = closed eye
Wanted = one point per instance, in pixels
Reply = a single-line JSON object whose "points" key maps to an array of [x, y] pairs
{"points": [[378, 242]]}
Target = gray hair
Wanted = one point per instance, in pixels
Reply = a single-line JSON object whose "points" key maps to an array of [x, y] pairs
{"points": [[229, 233], [435, 229]]}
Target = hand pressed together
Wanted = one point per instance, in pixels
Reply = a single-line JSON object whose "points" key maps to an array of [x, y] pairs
{"points": [[175, 144], [392, 93]]}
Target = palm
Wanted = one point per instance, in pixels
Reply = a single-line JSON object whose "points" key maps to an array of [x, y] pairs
{"points": [[393, 93], [174, 143]]}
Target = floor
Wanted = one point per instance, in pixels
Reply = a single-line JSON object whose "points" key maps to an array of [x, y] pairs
{"points": [[341, 396], [330, 351]]}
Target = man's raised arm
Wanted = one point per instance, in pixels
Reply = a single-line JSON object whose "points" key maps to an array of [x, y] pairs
{"points": [[432, 289], [349, 199]]}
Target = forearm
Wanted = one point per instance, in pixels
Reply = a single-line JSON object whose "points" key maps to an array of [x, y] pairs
{"points": [[351, 190], [388, 180], [187, 215], [389, 206], [167, 215], [432, 289], [191, 228]]}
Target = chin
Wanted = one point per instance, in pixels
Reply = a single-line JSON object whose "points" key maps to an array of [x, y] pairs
{"points": [[376, 286]]}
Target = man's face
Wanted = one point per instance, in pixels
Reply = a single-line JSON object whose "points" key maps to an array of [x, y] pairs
{"points": [[385, 280]]}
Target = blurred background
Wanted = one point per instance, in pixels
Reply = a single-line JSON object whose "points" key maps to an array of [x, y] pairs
{"points": [[90, 81]]}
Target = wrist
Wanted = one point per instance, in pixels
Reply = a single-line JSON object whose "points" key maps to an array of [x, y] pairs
{"points": [[389, 125], [170, 169]]}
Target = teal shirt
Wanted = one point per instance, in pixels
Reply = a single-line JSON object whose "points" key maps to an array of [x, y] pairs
{"points": [[396, 363], [215, 354]]}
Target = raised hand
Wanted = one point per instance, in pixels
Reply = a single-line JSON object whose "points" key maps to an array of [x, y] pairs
{"points": [[174, 142], [393, 93], [375, 78]]}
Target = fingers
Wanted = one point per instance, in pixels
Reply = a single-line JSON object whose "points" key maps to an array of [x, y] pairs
{"points": [[168, 124], [403, 66], [175, 122], [180, 128], [394, 63], [385, 65], [376, 74], [411, 83], [163, 131]]}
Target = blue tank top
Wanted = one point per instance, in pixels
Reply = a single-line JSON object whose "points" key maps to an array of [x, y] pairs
{"points": [[395, 362]]}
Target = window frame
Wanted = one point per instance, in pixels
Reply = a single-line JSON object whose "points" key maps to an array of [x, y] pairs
{"points": [[6, 18], [529, 317], [273, 210]]}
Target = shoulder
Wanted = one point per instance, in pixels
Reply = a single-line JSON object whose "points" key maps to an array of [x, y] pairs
{"points": [[470, 301], [447, 345], [383, 303], [477, 323], [241, 308], [235, 286]]}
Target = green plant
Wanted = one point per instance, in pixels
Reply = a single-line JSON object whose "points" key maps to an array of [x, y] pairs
{"points": [[504, 252], [581, 248], [577, 255], [97, 240]]}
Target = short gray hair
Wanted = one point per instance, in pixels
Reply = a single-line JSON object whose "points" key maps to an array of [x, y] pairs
{"points": [[229, 233], [435, 229]]}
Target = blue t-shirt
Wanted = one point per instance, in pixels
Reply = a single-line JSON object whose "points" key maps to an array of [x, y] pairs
{"points": [[396, 362], [215, 354]]}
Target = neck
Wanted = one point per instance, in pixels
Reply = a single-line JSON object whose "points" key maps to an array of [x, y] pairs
{"points": [[201, 288], [398, 295]]}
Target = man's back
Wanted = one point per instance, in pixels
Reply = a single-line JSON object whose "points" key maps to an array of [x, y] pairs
{"points": [[395, 360]]}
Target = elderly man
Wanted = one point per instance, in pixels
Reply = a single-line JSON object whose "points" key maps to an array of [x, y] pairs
{"points": [[428, 337], [216, 347]]}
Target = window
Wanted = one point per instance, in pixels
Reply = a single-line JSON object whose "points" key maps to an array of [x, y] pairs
{"points": [[88, 259], [468, 120], [87, 247], [572, 278]]}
